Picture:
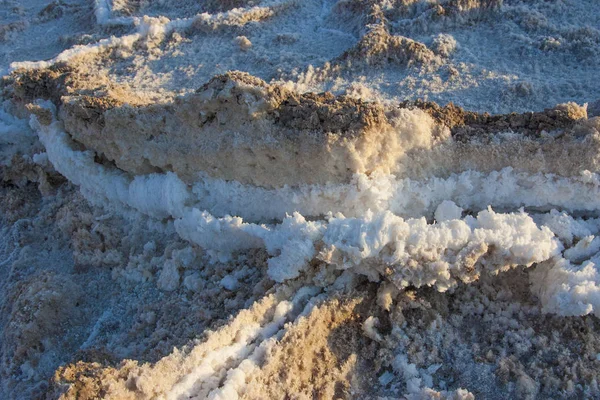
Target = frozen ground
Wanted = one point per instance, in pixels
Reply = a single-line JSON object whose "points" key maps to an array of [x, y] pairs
{"points": [[275, 199]]}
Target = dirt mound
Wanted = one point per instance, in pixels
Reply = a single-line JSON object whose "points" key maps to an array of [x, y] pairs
{"points": [[325, 355]]}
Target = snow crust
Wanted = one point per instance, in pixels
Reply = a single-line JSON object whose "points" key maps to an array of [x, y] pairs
{"points": [[15, 135], [570, 284]]}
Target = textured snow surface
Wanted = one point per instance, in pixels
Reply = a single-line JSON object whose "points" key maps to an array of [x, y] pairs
{"points": [[411, 252], [469, 267]]}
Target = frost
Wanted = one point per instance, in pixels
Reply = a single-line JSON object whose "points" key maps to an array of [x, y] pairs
{"points": [[229, 283], [370, 330], [169, 277], [418, 382], [102, 11], [444, 44], [243, 43], [570, 284]]}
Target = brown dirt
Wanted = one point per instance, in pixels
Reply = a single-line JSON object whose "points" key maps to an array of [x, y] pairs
{"points": [[323, 356], [48, 83], [86, 380], [466, 124]]}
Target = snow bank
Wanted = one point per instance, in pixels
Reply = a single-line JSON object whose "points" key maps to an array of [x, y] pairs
{"points": [[379, 243], [425, 231], [156, 195], [408, 252], [125, 42], [199, 381], [505, 189], [216, 368], [193, 372]]}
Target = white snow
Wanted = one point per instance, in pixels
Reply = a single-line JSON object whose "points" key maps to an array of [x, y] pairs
{"points": [[415, 251], [235, 350], [446, 211], [568, 289], [102, 11], [418, 253], [15, 136], [163, 195]]}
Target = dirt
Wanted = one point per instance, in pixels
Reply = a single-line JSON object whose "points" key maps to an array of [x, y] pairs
{"points": [[467, 124]]}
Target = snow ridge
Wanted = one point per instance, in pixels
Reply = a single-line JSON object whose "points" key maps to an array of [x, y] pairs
{"points": [[408, 252]]}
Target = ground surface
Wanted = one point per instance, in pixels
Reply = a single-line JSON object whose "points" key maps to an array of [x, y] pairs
{"points": [[299, 199]]}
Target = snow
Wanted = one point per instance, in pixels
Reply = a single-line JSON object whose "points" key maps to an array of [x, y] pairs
{"points": [[102, 11], [434, 222], [568, 289], [447, 211], [237, 356], [437, 255], [169, 277], [434, 255], [229, 283], [369, 327], [165, 194]]}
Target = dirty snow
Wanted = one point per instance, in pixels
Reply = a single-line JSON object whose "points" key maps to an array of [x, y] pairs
{"points": [[466, 270]]}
